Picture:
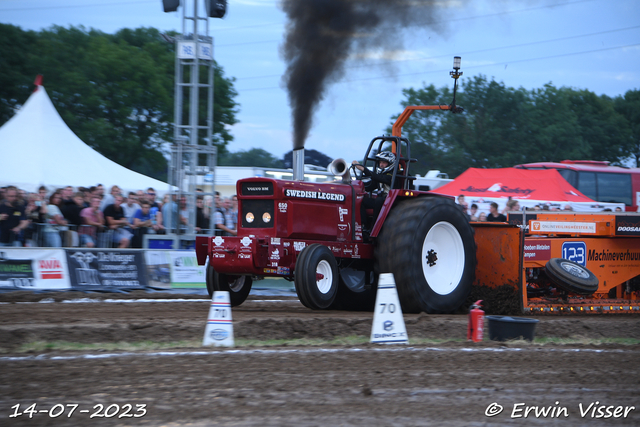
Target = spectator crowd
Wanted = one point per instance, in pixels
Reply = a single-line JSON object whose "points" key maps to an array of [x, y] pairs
{"points": [[512, 206], [88, 217]]}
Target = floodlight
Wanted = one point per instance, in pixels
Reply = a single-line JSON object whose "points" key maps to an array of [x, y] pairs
{"points": [[170, 5], [215, 8], [456, 62]]}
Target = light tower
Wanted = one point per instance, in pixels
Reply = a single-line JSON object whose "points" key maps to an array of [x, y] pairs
{"points": [[193, 153]]}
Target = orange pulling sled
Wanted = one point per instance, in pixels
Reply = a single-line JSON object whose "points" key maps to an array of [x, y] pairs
{"points": [[564, 262]]}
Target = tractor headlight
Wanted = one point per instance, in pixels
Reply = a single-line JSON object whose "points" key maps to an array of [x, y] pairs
{"points": [[258, 213]]}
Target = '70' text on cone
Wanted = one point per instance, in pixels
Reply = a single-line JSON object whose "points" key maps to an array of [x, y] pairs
{"points": [[388, 323], [219, 330]]}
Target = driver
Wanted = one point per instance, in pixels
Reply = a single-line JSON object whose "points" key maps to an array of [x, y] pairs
{"points": [[379, 185]]}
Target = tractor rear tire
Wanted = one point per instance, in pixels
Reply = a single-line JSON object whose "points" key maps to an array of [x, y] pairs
{"points": [[428, 245], [571, 276], [316, 277], [237, 286]]}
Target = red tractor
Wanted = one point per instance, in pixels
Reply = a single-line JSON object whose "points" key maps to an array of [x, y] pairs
{"points": [[312, 234]]}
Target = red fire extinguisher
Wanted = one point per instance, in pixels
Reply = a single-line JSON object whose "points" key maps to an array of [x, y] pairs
{"points": [[475, 331]]}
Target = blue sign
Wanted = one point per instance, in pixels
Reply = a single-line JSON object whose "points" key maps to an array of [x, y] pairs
{"points": [[161, 243], [576, 252]]}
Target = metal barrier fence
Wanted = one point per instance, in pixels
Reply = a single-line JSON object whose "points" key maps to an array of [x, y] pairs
{"points": [[73, 236], [69, 236]]}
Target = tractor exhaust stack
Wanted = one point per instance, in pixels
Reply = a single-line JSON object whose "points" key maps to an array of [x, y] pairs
{"points": [[298, 164]]}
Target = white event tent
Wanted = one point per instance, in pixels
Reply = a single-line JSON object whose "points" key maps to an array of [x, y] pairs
{"points": [[38, 148]]}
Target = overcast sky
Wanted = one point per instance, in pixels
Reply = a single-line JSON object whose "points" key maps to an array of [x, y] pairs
{"points": [[585, 44]]}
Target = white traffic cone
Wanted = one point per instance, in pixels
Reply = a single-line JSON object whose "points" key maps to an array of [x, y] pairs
{"points": [[219, 330], [388, 323]]}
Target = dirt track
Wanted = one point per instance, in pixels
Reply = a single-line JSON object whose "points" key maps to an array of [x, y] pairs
{"points": [[451, 383]]}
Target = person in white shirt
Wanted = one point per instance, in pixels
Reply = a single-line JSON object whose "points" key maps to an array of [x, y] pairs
{"points": [[131, 206]]}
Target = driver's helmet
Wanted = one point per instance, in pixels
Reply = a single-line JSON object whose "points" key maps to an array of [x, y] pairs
{"points": [[389, 157]]}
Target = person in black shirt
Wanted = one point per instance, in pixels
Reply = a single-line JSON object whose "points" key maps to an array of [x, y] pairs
{"points": [[202, 222], [494, 216], [114, 216], [71, 211], [12, 219]]}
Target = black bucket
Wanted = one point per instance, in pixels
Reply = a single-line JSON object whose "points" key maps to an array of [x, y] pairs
{"points": [[503, 328]]}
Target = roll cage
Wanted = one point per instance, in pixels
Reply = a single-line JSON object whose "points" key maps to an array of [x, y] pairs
{"points": [[400, 178]]}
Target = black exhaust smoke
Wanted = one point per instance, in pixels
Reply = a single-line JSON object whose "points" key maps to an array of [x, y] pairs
{"points": [[322, 34]]}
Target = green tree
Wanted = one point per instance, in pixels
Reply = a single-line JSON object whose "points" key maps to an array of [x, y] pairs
{"points": [[15, 45], [115, 91], [424, 129], [490, 130], [254, 157], [628, 106], [553, 128], [503, 126], [603, 130], [225, 109]]}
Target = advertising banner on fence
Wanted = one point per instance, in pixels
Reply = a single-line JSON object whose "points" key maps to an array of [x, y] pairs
{"points": [[106, 268], [185, 271], [174, 269], [31, 269], [158, 269]]}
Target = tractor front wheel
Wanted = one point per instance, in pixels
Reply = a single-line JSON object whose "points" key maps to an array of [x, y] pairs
{"points": [[237, 286], [316, 277]]}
